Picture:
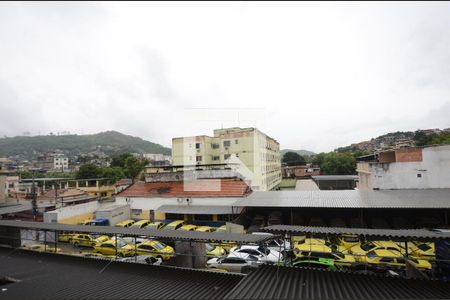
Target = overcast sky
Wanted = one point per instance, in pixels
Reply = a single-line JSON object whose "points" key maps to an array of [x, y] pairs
{"points": [[314, 76]]}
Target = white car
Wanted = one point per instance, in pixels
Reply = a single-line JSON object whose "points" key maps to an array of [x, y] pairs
{"points": [[263, 254], [143, 259], [276, 244], [130, 240], [232, 264]]}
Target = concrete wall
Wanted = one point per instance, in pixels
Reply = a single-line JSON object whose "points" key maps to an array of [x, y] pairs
{"points": [[432, 172], [115, 213], [72, 214]]}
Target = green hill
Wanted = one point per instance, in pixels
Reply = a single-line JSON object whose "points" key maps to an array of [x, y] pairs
{"points": [[300, 152], [110, 142]]}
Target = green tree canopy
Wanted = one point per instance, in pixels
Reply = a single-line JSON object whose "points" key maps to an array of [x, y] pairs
{"points": [[87, 171], [115, 173], [133, 167], [293, 159], [119, 160], [338, 164]]}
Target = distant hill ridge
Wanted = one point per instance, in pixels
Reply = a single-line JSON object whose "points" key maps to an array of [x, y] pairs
{"points": [[110, 142], [300, 152]]}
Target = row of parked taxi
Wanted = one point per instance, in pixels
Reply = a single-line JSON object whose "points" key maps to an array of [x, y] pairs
{"points": [[350, 252]]}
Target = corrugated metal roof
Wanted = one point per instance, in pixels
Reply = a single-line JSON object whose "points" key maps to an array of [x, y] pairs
{"points": [[268, 282], [306, 185], [131, 231], [196, 188], [335, 177], [376, 233], [430, 198], [53, 276], [198, 209], [10, 209]]}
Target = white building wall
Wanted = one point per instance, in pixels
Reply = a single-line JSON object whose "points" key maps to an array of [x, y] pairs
{"points": [[70, 211], [155, 203], [434, 171]]}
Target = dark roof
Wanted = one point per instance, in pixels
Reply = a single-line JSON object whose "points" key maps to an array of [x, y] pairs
{"points": [[15, 208], [199, 209], [57, 276], [268, 282], [131, 231], [420, 198], [377, 233], [197, 188]]}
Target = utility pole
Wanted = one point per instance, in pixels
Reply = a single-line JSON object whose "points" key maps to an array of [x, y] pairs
{"points": [[34, 199]]}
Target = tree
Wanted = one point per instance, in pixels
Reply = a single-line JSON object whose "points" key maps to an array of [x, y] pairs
{"points": [[338, 164], [119, 160], [115, 173], [293, 159], [318, 159], [87, 171], [133, 167]]}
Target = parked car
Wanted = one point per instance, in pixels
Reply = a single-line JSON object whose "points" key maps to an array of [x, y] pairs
{"points": [[174, 225], [141, 224], [109, 248], [214, 250], [155, 225], [277, 244], [87, 240], [205, 229], [222, 228], [65, 237], [314, 251], [126, 223], [187, 227], [261, 253], [142, 259], [314, 262], [156, 249], [347, 241], [232, 264], [391, 259], [360, 251]]}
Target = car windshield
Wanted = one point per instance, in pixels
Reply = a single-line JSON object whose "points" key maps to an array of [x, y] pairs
{"points": [[351, 239], [264, 250], [169, 227], [367, 247], [159, 245], [424, 247], [371, 254], [339, 254], [209, 247], [120, 244]]}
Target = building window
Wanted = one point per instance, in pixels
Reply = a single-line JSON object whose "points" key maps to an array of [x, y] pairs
{"points": [[236, 142], [198, 158], [216, 157], [419, 175], [197, 145], [226, 143], [226, 156], [215, 146]]}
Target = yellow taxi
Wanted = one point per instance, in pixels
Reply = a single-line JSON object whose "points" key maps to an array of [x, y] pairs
{"points": [[156, 249], [155, 225], [174, 225], [42, 247], [126, 223], [323, 251], [65, 237], [423, 250], [141, 224], [347, 241], [360, 251], [205, 229], [187, 227], [222, 228], [214, 250], [387, 257], [109, 248], [87, 240]]}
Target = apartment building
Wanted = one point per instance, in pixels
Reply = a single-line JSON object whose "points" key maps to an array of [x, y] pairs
{"points": [[257, 154], [407, 168]]}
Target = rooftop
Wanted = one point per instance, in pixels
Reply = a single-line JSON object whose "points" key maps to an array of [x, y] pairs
{"points": [[197, 188], [50, 276], [424, 198]]}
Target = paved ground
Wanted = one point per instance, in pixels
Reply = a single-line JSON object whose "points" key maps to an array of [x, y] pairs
{"points": [[306, 185]]}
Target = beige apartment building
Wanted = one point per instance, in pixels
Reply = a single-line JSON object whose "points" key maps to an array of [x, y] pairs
{"points": [[257, 154]]}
